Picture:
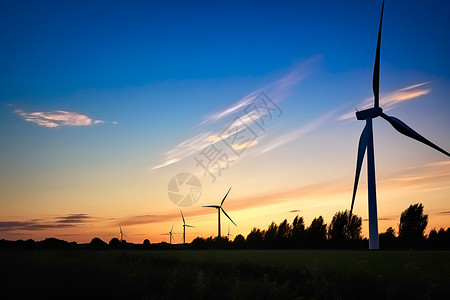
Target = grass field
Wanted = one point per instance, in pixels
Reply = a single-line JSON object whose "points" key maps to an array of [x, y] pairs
{"points": [[220, 274]]}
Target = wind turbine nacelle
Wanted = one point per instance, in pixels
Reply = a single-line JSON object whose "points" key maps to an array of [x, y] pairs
{"points": [[369, 113]]}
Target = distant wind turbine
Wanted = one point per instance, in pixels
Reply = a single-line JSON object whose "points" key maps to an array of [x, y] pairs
{"points": [[170, 234], [184, 228], [121, 234], [219, 208], [228, 234], [366, 142]]}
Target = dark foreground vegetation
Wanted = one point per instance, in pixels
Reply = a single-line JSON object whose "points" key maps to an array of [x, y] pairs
{"points": [[220, 274], [285, 261]]}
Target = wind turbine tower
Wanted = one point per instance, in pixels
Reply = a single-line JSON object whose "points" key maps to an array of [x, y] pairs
{"points": [[121, 234], [184, 228], [219, 208], [170, 234]]}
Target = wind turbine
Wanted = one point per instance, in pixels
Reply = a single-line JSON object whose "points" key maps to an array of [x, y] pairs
{"points": [[170, 234], [184, 228], [366, 143], [219, 208], [228, 234], [121, 234]]}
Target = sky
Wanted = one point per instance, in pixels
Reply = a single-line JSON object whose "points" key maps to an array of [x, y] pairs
{"points": [[123, 113]]}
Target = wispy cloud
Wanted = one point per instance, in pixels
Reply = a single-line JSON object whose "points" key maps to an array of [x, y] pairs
{"points": [[392, 99], [68, 221], [148, 219], [73, 219], [278, 90], [447, 212], [381, 219], [299, 132], [245, 145], [431, 176], [240, 115], [57, 118]]}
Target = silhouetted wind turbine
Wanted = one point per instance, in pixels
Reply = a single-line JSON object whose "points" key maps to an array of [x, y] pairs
{"points": [[219, 208], [366, 142], [228, 234], [121, 234], [170, 234], [184, 228]]}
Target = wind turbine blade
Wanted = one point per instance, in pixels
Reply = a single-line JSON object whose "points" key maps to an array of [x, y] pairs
{"points": [[182, 217], [228, 217], [190, 226], [408, 131], [215, 206], [363, 141], [225, 197], [376, 68], [171, 229]]}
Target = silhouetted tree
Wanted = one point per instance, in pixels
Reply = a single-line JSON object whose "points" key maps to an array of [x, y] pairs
{"points": [[114, 243], [221, 242], [255, 238], [198, 243], [354, 228], [270, 235], [317, 232], [53, 243], [298, 231], [337, 227], [28, 244], [412, 225], [388, 238], [97, 243], [439, 239], [146, 243], [283, 234], [341, 228], [239, 241]]}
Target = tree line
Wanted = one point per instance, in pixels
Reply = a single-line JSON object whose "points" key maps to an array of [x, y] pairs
{"points": [[343, 232]]}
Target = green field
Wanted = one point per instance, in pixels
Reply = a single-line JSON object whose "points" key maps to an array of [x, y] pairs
{"points": [[221, 274]]}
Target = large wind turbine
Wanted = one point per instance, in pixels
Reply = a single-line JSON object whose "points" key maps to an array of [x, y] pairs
{"points": [[366, 142], [184, 228], [219, 208]]}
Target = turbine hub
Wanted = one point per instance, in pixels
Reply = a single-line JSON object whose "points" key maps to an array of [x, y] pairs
{"points": [[370, 112]]}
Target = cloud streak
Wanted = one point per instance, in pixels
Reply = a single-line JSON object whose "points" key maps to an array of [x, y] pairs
{"points": [[299, 132], [392, 99], [69, 221], [255, 109], [57, 118]]}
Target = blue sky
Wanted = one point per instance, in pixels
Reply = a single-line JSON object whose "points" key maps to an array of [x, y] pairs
{"points": [[137, 79]]}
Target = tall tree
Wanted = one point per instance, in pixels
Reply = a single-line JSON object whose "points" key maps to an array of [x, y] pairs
{"points": [[270, 235], [341, 228], [317, 232], [255, 238], [412, 224], [284, 231], [354, 227], [239, 241], [388, 239], [298, 230]]}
